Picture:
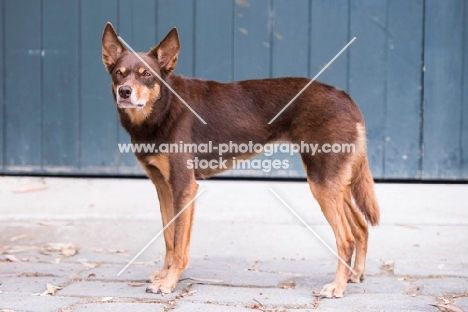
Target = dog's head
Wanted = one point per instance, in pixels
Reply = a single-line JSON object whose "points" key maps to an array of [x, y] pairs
{"points": [[134, 85]]}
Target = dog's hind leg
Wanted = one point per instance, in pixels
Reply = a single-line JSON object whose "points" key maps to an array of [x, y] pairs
{"points": [[330, 199], [327, 177], [360, 232]]}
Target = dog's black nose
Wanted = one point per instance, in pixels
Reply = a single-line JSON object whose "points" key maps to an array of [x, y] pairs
{"points": [[125, 92]]}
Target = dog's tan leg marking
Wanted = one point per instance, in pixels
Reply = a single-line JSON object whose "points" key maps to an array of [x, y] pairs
{"points": [[330, 199], [159, 177], [360, 232], [182, 233]]}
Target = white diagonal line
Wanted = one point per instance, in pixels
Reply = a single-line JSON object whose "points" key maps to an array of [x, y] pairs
{"points": [[160, 232], [313, 79], [156, 74], [313, 232]]}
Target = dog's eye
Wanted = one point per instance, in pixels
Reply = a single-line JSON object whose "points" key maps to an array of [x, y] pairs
{"points": [[146, 73], [118, 72]]}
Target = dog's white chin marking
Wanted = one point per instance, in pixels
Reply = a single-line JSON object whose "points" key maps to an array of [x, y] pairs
{"points": [[133, 102]]}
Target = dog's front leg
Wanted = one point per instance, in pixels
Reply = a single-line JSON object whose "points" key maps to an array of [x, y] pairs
{"points": [[164, 190], [167, 213], [184, 188]]}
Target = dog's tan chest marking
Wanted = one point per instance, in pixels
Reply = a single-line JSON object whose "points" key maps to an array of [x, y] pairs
{"points": [[162, 163], [138, 115]]}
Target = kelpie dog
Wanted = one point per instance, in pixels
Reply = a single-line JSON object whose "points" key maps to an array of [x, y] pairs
{"points": [[240, 112]]}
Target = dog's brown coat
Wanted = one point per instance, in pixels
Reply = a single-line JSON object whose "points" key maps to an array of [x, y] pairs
{"points": [[240, 112]]}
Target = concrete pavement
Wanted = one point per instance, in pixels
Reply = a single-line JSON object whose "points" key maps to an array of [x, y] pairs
{"points": [[248, 251]]}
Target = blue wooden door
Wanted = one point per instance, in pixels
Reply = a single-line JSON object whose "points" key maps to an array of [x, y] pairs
{"points": [[407, 70]]}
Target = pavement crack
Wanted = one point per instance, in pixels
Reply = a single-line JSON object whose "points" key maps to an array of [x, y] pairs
{"points": [[172, 304]]}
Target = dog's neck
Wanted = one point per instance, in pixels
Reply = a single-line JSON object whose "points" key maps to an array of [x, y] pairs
{"points": [[138, 115]]}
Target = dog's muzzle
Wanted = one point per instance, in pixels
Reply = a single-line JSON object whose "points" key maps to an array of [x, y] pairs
{"points": [[125, 92]]}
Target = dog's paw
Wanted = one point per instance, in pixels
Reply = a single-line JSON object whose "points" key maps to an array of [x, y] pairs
{"points": [[160, 287], [356, 278], [333, 290], [158, 275]]}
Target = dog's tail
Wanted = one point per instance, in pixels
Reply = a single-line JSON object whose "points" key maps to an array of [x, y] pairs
{"points": [[362, 189]]}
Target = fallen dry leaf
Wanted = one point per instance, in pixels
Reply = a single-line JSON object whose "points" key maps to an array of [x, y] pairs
{"points": [[90, 265], [16, 249], [447, 307], [288, 284], [106, 299], [91, 275], [387, 268], [31, 188], [446, 301], [66, 250], [18, 237], [413, 289], [261, 304], [12, 258], [136, 284], [50, 290]]}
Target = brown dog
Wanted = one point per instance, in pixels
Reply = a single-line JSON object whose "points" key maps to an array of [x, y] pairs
{"points": [[239, 112]]}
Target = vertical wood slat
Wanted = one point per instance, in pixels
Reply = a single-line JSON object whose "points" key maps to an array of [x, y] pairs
{"points": [[290, 40], [2, 73], [252, 29], [137, 26], [252, 48], [443, 57], [464, 130], [368, 73], [290, 54], [329, 34], [179, 14], [98, 112], [213, 35], [60, 84], [23, 84], [404, 78]]}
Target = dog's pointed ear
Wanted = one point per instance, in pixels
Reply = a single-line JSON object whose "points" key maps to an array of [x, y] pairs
{"points": [[112, 48], [167, 51]]}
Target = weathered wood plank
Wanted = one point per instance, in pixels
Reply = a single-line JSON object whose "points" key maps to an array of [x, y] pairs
{"points": [[329, 34], [252, 29], [368, 72], [23, 83], [98, 114], [179, 14], [213, 46], [138, 26], [404, 89], [443, 80], [60, 83]]}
